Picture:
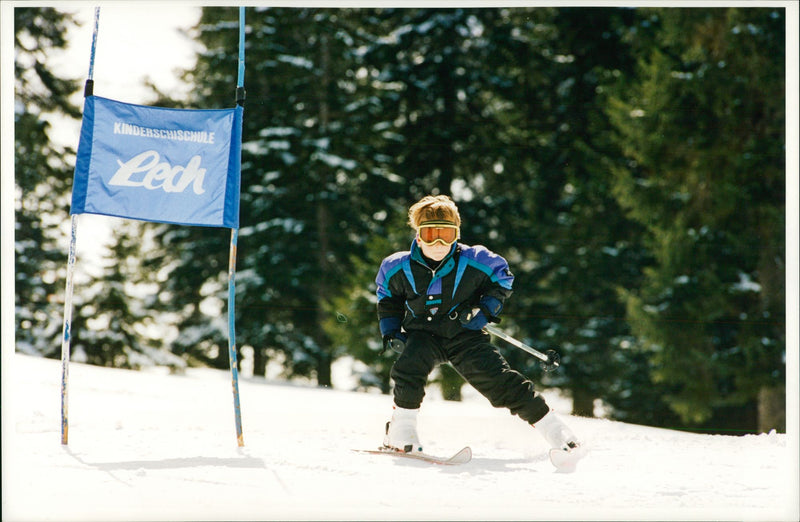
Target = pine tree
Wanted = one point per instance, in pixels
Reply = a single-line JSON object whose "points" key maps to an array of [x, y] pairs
{"points": [[113, 322], [42, 175], [702, 129], [306, 189], [545, 202], [189, 266]]}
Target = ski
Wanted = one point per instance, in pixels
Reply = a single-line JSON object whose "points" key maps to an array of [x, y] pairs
{"points": [[566, 461], [460, 457]]}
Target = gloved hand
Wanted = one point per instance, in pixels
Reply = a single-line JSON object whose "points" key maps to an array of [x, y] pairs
{"points": [[473, 319], [486, 312], [393, 336], [395, 341]]}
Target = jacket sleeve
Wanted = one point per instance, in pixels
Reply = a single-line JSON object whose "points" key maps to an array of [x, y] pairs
{"points": [[391, 298], [497, 286]]}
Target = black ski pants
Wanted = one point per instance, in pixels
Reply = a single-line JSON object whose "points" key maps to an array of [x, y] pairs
{"points": [[474, 357]]}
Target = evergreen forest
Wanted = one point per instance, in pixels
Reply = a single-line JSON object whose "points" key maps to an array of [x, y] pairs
{"points": [[629, 163]]}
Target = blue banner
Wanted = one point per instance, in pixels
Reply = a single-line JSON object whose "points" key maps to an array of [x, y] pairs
{"points": [[155, 164]]}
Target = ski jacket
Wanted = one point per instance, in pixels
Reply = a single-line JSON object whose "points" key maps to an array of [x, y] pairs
{"points": [[413, 295]]}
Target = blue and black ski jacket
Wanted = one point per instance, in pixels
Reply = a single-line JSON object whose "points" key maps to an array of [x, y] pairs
{"points": [[418, 297]]}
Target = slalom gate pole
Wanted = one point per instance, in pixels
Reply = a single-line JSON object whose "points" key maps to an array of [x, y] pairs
{"points": [[66, 331], [549, 361], [232, 264], [232, 336]]}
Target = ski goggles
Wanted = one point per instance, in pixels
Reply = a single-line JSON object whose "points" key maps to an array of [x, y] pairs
{"points": [[444, 232]]}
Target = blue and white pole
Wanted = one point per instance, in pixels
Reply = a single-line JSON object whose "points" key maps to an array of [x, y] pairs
{"points": [[66, 336], [232, 263]]}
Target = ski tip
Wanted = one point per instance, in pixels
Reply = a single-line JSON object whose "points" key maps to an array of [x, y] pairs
{"points": [[462, 456]]}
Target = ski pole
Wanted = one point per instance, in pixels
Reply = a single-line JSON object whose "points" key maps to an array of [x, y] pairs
{"points": [[549, 361]]}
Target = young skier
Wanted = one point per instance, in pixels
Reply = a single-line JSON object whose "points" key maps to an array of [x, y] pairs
{"points": [[433, 302]]}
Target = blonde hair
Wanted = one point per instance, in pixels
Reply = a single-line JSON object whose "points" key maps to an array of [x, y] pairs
{"points": [[432, 208]]}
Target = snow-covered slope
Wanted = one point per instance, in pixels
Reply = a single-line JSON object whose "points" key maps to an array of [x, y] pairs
{"points": [[152, 446]]}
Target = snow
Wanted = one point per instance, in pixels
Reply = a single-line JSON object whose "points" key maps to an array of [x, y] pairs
{"points": [[153, 446], [746, 284]]}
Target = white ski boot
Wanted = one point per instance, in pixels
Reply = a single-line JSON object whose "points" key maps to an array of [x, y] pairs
{"points": [[565, 450], [401, 431]]}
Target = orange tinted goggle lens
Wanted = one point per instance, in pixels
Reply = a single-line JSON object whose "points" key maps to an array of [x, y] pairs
{"points": [[444, 234]]}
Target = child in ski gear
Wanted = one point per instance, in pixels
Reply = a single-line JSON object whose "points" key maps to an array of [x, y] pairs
{"points": [[433, 302]]}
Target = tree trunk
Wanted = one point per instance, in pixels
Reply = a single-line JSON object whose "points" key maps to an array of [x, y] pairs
{"points": [[324, 358], [324, 377], [772, 409], [582, 404], [259, 362]]}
